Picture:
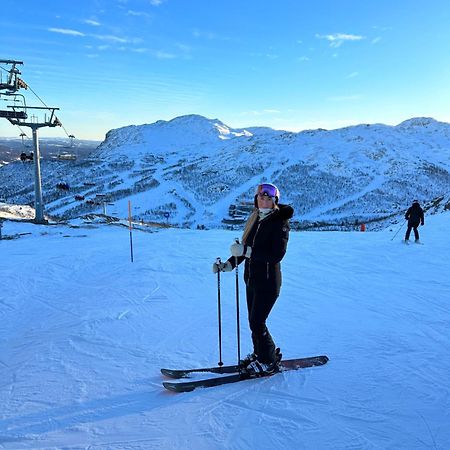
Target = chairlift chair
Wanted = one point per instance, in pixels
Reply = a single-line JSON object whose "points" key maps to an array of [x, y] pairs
{"points": [[18, 109], [24, 145]]}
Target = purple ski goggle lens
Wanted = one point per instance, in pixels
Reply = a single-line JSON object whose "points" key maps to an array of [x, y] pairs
{"points": [[267, 189]]}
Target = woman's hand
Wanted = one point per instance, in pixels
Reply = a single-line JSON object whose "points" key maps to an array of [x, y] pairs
{"points": [[222, 267], [240, 250]]}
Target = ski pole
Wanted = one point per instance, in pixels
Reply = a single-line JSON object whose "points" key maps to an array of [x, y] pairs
{"points": [[238, 327], [401, 226], [218, 262], [131, 228]]}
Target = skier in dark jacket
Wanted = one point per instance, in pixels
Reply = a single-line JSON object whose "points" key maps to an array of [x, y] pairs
{"points": [[264, 244], [415, 217]]}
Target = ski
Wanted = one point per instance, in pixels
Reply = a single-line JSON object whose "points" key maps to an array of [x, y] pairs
{"points": [[174, 373], [188, 386], [222, 370], [409, 243]]}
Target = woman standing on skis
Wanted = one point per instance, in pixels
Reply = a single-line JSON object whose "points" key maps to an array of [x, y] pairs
{"points": [[264, 244]]}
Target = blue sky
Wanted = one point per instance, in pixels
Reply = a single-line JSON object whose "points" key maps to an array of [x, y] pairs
{"points": [[286, 64]]}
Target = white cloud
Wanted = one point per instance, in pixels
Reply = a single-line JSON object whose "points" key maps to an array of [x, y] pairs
{"points": [[303, 58], [156, 2], [204, 34], [163, 55], [116, 39], [110, 38], [337, 39], [66, 31], [376, 27], [159, 54], [200, 34], [376, 40], [94, 23], [184, 47], [352, 75], [130, 12]]}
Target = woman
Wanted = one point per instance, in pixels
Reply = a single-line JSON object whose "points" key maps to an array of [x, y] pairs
{"points": [[263, 246]]}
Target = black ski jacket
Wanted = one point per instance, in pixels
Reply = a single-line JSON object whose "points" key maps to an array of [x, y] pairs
{"points": [[414, 215], [268, 239]]}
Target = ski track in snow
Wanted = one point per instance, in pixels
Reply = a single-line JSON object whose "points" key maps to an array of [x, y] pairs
{"points": [[85, 332]]}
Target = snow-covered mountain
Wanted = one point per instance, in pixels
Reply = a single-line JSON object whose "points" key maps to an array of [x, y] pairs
{"points": [[193, 171]]}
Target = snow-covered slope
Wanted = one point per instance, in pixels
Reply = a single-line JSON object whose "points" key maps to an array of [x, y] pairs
{"points": [[84, 333], [193, 171], [16, 212]]}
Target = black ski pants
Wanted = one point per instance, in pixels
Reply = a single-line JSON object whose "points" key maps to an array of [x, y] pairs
{"points": [[259, 304], [412, 226]]}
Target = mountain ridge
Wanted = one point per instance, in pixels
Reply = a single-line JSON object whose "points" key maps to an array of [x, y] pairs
{"points": [[194, 171]]}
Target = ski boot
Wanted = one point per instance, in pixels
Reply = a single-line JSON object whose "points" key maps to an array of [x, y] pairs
{"points": [[259, 369], [243, 363]]}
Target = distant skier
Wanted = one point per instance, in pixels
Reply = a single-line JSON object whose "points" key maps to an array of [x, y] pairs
{"points": [[264, 244], [415, 217]]}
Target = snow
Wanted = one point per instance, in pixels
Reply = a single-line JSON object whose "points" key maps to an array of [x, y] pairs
{"points": [[84, 333], [16, 211]]}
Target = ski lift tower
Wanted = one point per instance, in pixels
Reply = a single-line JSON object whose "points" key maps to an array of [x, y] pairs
{"points": [[17, 114]]}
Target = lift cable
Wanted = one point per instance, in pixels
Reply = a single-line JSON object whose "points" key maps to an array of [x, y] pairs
{"points": [[42, 101], [39, 98]]}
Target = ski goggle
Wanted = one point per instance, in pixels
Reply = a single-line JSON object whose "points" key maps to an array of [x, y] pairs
{"points": [[267, 189]]}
